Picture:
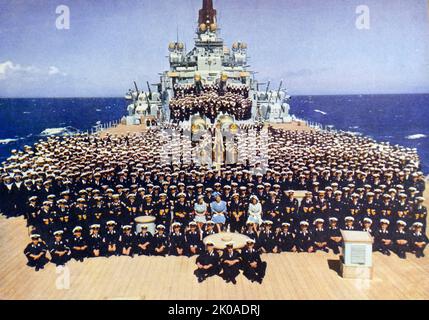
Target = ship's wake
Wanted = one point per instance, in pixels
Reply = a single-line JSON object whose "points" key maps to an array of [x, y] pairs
{"points": [[416, 136], [59, 131]]}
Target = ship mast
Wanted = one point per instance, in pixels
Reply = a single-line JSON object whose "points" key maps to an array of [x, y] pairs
{"points": [[207, 17]]}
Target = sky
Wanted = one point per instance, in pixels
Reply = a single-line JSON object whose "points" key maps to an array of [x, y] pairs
{"points": [[314, 46]]}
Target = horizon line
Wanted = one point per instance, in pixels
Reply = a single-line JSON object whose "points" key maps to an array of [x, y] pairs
{"points": [[297, 95]]}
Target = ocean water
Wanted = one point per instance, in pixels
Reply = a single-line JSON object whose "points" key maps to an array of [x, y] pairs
{"points": [[25, 121], [398, 119]]}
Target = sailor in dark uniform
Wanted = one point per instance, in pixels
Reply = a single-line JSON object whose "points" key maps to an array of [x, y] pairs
{"points": [[80, 214], [182, 210], [337, 205], [419, 181], [371, 208], [162, 211], [207, 263], [334, 235], [304, 238], [250, 231], [193, 239], [230, 262], [95, 241], [400, 239], [97, 212], [116, 210], [402, 209], [148, 205], [320, 236], [144, 241], [18, 194], [290, 209], [7, 202], [226, 194], [45, 223], [64, 217], [209, 229], [110, 239], [349, 223], [32, 211], [420, 213], [261, 194], [306, 210], [386, 208], [78, 245], [321, 206], [383, 238], [59, 249], [35, 252], [160, 241], [286, 239], [355, 208], [177, 241], [237, 213], [418, 240], [253, 267], [271, 209], [132, 210], [267, 238], [127, 241], [367, 226]]}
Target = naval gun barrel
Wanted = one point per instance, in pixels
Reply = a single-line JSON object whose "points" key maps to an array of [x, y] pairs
{"points": [[266, 90], [137, 89], [278, 91]]}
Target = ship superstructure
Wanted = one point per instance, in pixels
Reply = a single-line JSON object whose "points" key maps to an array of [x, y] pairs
{"points": [[210, 62]]}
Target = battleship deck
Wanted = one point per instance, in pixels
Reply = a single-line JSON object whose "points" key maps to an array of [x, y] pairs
{"points": [[289, 276]]}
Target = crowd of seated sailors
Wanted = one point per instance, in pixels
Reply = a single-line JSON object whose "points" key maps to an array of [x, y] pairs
{"points": [[183, 90], [210, 102], [101, 223], [97, 224], [84, 183]]}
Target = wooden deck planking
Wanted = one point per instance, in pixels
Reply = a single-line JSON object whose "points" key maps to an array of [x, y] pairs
{"points": [[289, 276]]}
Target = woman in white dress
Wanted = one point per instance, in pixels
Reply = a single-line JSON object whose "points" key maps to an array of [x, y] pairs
{"points": [[200, 210], [255, 212]]}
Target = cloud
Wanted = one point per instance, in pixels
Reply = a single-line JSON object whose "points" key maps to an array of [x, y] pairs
{"points": [[11, 70], [54, 70]]}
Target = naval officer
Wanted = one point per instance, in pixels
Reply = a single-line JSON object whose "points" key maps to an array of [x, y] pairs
{"points": [[59, 249], [144, 241], [35, 252], [78, 245], [286, 239], [207, 263], [418, 240], [177, 241], [253, 266], [230, 262]]}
